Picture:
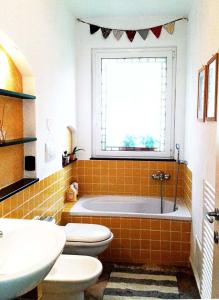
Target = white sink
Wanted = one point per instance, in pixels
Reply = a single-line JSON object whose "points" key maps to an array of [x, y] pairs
{"points": [[28, 250]]}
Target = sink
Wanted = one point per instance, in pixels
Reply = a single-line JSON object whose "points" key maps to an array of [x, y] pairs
{"points": [[28, 250]]}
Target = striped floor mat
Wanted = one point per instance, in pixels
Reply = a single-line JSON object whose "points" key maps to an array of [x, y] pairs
{"points": [[137, 284]]}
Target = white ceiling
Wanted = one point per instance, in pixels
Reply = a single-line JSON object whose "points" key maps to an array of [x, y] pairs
{"points": [[108, 8]]}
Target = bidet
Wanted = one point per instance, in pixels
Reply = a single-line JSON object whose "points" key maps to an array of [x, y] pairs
{"points": [[70, 276]]}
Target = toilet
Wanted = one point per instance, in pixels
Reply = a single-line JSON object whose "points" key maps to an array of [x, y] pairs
{"points": [[86, 239], [70, 276]]}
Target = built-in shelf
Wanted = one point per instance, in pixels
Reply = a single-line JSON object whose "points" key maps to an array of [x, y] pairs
{"points": [[16, 95], [16, 187], [71, 161], [132, 159], [17, 141]]}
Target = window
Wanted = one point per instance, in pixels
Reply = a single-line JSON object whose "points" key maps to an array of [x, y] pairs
{"points": [[133, 102]]}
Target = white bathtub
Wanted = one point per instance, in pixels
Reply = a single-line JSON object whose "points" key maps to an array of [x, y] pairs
{"points": [[129, 206]]}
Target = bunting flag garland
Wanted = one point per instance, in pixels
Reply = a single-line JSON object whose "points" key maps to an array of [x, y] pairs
{"points": [[156, 31], [143, 33], [130, 34], [118, 33], [93, 28], [106, 32], [169, 27]]}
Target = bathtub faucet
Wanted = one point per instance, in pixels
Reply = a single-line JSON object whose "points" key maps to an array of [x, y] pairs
{"points": [[160, 175]]}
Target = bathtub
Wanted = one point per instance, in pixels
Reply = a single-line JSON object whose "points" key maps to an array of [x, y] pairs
{"points": [[129, 206]]}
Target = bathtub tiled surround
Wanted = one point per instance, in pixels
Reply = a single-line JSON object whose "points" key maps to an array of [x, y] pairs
{"points": [[44, 198], [125, 177], [139, 240]]}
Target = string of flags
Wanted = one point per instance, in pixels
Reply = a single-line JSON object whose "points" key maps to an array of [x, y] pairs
{"points": [[169, 27]]}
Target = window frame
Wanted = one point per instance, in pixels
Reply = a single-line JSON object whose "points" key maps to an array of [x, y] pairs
{"points": [[97, 55]]}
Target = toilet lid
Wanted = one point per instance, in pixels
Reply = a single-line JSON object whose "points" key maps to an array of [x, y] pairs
{"points": [[86, 233]]}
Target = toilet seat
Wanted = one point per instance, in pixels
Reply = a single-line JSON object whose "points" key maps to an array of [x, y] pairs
{"points": [[86, 233], [90, 244], [86, 239]]}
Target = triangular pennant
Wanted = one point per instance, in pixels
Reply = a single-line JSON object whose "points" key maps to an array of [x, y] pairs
{"points": [[118, 33], [156, 31], [143, 33], [93, 28], [105, 32], [130, 34], [170, 27]]}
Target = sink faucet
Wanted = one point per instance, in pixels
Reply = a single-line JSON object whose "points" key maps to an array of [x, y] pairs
{"points": [[160, 175], [1, 233]]}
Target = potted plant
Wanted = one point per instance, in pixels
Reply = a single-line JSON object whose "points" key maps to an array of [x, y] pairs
{"points": [[73, 155]]}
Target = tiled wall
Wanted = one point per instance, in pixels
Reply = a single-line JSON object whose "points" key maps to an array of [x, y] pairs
{"points": [[188, 187], [135, 240], [125, 177], [138, 240], [44, 198], [94, 177]]}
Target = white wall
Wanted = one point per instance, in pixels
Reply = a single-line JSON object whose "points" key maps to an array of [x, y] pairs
{"points": [[44, 32], [200, 138], [85, 42]]}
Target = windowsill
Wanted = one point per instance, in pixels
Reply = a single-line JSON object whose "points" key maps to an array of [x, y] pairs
{"points": [[135, 159], [69, 163]]}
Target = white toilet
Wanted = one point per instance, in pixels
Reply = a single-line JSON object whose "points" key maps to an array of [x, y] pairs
{"points": [[70, 276], [86, 239]]}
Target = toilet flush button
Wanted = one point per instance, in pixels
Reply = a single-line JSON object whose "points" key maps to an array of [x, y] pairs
{"points": [[86, 232]]}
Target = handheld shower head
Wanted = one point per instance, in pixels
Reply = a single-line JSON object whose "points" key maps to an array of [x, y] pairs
{"points": [[178, 147], [178, 151]]}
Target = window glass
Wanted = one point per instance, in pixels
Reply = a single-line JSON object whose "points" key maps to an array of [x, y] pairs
{"points": [[133, 104]]}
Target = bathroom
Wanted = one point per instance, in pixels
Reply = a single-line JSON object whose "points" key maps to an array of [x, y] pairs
{"points": [[47, 52]]}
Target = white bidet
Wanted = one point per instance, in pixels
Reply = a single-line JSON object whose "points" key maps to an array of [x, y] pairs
{"points": [[70, 276]]}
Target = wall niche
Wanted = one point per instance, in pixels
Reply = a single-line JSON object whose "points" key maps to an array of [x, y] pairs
{"points": [[17, 121]]}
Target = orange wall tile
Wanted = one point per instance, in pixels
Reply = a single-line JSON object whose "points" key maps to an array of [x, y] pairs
{"points": [[135, 240], [138, 240], [44, 198], [131, 178], [125, 177], [188, 187]]}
